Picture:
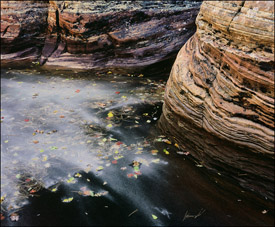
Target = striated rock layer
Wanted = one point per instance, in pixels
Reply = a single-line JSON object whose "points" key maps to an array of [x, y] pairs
{"points": [[23, 26], [95, 34], [219, 100], [120, 34]]}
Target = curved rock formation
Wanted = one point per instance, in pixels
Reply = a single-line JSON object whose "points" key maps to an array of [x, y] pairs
{"points": [[23, 26], [120, 34], [219, 100]]}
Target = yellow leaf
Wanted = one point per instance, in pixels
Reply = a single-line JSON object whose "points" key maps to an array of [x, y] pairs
{"points": [[176, 145], [167, 141], [156, 160], [109, 125], [45, 158], [110, 114], [54, 189], [2, 198], [68, 200], [99, 168], [154, 216]]}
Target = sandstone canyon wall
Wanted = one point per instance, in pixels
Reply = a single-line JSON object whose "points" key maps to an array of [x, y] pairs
{"points": [[96, 34], [23, 27], [219, 100]]}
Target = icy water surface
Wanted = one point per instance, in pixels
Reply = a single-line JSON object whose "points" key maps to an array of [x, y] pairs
{"points": [[84, 149]]}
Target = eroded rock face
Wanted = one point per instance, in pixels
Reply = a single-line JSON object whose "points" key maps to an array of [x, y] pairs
{"points": [[219, 100], [95, 34], [117, 34], [23, 26]]}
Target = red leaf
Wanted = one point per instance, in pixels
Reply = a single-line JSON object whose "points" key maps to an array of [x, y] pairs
{"points": [[61, 116], [77, 91], [26, 120], [130, 175], [28, 180], [119, 143], [117, 92], [114, 162], [2, 117]]}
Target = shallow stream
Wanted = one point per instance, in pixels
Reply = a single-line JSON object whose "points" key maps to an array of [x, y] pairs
{"points": [[81, 148]]}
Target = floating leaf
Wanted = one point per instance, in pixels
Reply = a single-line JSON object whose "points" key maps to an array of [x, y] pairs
{"points": [[53, 148], [68, 200], [33, 191], [110, 114], [18, 176], [6, 141], [165, 151], [77, 91], [117, 92], [14, 217], [176, 145], [130, 175], [154, 152], [118, 157], [71, 180], [109, 125], [41, 150], [155, 160], [114, 161], [154, 216], [99, 168], [62, 116], [54, 190], [26, 120], [2, 198], [166, 141], [78, 175], [35, 141]]}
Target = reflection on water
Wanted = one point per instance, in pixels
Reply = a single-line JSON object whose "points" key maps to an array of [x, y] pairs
{"points": [[84, 149]]}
